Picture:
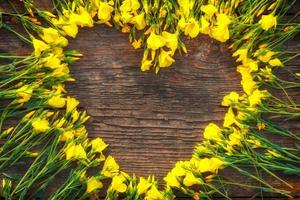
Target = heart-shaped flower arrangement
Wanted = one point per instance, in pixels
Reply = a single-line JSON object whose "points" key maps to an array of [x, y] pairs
{"points": [[51, 130]]}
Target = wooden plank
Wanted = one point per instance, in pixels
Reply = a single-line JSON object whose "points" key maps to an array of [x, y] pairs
{"points": [[158, 118]]}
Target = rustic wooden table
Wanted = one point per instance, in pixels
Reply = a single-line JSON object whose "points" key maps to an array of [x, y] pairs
{"points": [[151, 121]]}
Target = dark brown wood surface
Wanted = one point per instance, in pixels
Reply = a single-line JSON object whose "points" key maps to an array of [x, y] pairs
{"points": [[151, 121]]}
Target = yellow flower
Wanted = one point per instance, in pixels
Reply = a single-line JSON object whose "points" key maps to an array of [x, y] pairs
{"points": [[117, 19], [104, 11], [154, 194], [203, 165], [241, 115], [268, 21], [52, 61], [93, 184], [137, 44], [209, 10], [98, 145], [212, 132], [117, 184], [216, 164], [248, 85], [253, 65], [163, 12], [72, 103], [235, 138], [244, 71], [59, 123], [190, 180], [201, 149], [229, 118], [49, 114], [110, 167], [171, 40], [260, 126], [39, 46], [82, 18], [182, 24], [242, 55], [25, 93], [126, 29], [143, 186], [155, 42], [74, 151], [80, 132], [229, 149], [256, 97], [129, 5], [165, 59], [95, 3], [75, 116], [266, 57], [64, 23], [275, 62], [171, 180], [59, 52], [126, 17], [192, 28], [66, 136], [70, 29], [204, 28], [62, 42], [247, 82], [178, 169], [63, 70], [59, 89], [85, 18], [223, 20], [58, 21], [57, 101], [209, 165], [220, 33], [40, 125], [50, 35], [230, 99], [185, 6], [146, 65], [139, 21]]}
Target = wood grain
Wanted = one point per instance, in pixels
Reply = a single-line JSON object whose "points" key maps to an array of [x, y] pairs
{"points": [[158, 118], [151, 121]]}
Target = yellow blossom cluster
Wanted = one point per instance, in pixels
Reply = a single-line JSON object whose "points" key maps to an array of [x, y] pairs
{"points": [[195, 171], [133, 15]]}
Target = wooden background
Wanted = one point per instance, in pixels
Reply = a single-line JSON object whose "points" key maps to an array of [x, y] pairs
{"points": [[151, 121]]}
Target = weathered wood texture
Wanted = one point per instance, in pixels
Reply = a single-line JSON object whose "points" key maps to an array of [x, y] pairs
{"points": [[151, 121]]}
